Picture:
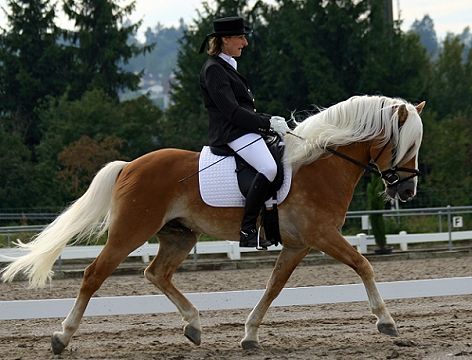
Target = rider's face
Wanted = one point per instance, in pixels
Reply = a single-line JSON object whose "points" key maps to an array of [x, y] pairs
{"points": [[233, 45]]}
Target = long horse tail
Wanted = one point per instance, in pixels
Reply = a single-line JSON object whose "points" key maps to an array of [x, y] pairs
{"points": [[87, 216]]}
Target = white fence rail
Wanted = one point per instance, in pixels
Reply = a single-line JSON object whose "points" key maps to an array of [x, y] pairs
{"points": [[233, 251], [146, 304], [403, 239]]}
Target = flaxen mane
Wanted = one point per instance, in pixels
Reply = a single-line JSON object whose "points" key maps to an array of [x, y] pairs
{"points": [[359, 118]]}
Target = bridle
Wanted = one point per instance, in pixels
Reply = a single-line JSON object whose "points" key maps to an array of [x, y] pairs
{"points": [[390, 176]]}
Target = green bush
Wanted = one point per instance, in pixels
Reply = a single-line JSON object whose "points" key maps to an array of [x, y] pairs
{"points": [[376, 202]]}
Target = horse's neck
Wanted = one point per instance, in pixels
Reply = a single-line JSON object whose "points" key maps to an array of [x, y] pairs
{"points": [[334, 179]]}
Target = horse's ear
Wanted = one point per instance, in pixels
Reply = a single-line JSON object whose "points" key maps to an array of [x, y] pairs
{"points": [[420, 106], [402, 114]]}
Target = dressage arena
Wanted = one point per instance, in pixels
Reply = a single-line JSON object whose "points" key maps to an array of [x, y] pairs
{"points": [[430, 328]]}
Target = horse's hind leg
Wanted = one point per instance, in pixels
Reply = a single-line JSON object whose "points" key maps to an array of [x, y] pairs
{"points": [[120, 243], [174, 247], [338, 247], [287, 261]]}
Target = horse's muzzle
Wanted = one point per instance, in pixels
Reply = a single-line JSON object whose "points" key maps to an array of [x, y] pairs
{"points": [[404, 191]]}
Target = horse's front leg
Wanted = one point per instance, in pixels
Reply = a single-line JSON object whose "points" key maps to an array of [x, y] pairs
{"points": [[335, 245], [385, 323], [287, 261]]}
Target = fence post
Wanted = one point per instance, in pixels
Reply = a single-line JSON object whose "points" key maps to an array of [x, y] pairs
{"points": [[145, 256], [59, 263], [403, 241], [362, 244], [234, 253], [195, 252], [449, 227], [440, 220]]}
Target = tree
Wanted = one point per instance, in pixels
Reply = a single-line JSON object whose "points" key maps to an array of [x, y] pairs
{"points": [[98, 116], [314, 52], [161, 60], [81, 160], [446, 151], [375, 201], [299, 57], [451, 88], [466, 39], [100, 46], [32, 65], [395, 63], [140, 127], [447, 155], [15, 167], [424, 28], [132, 124]]}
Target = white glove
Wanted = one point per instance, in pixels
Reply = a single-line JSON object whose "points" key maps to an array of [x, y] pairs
{"points": [[278, 124]]}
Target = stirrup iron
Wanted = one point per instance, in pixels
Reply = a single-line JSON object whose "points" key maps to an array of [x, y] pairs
{"points": [[258, 247]]}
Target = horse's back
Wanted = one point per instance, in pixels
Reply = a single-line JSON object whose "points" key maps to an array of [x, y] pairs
{"points": [[157, 174], [163, 163]]}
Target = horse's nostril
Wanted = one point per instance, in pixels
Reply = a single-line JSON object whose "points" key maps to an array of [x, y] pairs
{"points": [[409, 194]]}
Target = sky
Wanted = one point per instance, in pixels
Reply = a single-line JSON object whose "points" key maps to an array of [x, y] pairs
{"points": [[448, 15]]}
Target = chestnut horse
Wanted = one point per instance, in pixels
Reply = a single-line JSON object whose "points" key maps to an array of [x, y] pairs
{"points": [[134, 200]]}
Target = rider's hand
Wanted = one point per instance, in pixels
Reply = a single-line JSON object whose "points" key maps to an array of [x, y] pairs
{"points": [[278, 124]]}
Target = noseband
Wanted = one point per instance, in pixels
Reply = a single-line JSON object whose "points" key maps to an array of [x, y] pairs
{"points": [[392, 178]]}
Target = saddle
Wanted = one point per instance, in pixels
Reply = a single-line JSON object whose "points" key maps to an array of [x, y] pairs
{"points": [[245, 175]]}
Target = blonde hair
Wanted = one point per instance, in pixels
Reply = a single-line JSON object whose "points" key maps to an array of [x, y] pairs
{"points": [[215, 46]]}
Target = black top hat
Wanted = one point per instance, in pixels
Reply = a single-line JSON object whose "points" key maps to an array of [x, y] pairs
{"points": [[226, 26]]}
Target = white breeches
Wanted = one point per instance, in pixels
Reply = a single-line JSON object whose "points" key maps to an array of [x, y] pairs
{"points": [[257, 154]]}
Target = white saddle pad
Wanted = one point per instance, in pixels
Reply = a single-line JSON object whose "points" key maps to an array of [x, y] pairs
{"points": [[219, 185]]}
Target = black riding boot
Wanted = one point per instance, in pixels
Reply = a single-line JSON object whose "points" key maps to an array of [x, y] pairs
{"points": [[254, 201]]}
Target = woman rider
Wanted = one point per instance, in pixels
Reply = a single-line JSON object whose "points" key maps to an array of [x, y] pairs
{"points": [[233, 120]]}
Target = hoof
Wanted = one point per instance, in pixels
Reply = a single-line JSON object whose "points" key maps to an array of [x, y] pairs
{"points": [[388, 329], [57, 345], [250, 345], [193, 334]]}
